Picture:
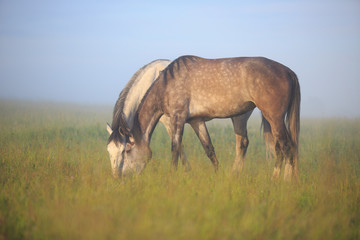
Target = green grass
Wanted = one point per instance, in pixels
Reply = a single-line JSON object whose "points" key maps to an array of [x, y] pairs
{"points": [[56, 182]]}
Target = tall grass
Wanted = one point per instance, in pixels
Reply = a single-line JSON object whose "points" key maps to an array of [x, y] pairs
{"points": [[56, 182]]}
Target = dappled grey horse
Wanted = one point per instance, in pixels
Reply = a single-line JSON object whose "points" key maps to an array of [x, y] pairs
{"points": [[127, 106], [194, 90]]}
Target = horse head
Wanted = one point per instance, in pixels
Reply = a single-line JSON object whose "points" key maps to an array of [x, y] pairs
{"points": [[127, 156]]}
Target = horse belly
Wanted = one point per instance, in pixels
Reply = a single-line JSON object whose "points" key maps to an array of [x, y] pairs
{"points": [[215, 106]]}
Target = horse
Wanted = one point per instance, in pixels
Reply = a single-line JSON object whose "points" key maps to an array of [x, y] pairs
{"points": [[126, 107], [194, 90]]}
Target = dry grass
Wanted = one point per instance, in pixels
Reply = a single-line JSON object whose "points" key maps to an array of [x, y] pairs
{"points": [[56, 183]]}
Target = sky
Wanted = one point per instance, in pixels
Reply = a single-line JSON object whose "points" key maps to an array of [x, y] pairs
{"points": [[86, 51]]}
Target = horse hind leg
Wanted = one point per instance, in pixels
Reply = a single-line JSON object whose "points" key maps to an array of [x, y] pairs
{"points": [[283, 150], [203, 135], [242, 141], [289, 161], [279, 160], [166, 122], [268, 138]]}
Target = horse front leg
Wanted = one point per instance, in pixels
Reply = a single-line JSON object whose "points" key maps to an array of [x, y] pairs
{"points": [[165, 120], [177, 131], [203, 134]]}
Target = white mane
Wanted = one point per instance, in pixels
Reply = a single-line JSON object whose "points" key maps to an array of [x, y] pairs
{"points": [[141, 84]]}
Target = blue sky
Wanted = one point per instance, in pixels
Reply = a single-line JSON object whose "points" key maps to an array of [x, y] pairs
{"points": [[86, 51]]}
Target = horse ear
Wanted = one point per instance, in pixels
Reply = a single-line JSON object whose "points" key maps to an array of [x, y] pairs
{"points": [[108, 128], [124, 131]]}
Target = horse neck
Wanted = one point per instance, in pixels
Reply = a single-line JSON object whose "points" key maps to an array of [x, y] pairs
{"points": [[139, 89], [150, 112]]}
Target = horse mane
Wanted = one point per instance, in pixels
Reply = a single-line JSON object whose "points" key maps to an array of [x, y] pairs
{"points": [[118, 118]]}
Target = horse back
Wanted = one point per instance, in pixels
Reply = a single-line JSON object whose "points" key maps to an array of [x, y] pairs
{"points": [[227, 86]]}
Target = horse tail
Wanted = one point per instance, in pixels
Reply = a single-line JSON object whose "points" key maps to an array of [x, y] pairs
{"points": [[293, 119]]}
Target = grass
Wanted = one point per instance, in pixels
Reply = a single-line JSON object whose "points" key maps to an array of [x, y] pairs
{"points": [[56, 182]]}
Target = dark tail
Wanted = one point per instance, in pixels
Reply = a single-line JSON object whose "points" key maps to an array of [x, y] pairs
{"points": [[293, 120]]}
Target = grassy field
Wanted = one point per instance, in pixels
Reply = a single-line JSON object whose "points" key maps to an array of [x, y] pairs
{"points": [[56, 182]]}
